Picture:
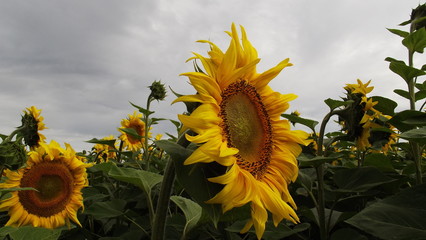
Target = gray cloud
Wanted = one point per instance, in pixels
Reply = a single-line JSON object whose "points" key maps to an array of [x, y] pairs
{"points": [[81, 62]]}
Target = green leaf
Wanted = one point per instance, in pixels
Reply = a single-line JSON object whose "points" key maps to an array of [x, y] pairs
{"points": [[380, 161], [333, 104], [416, 41], [191, 210], [420, 95], [142, 110], [315, 161], [140, 178], [402, 93], [107, 209], [397, 217], [406, 72], [408, 119], [102, 141], [304, 121], [347, 234], [360, 179], [29, 232], [398, 32], [385, 105], [132, 132], [416, 135], [194, 177]]}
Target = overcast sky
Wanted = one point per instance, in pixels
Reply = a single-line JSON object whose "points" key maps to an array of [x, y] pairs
{"points": [[81, 62]]}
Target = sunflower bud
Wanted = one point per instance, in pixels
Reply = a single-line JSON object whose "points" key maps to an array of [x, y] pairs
{"points": [[416, 17], [158, 91]]}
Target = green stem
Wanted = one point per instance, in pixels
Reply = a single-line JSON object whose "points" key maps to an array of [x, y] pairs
{"points": [[411, 90], [320, 178], [146, 121], [159, 225]]}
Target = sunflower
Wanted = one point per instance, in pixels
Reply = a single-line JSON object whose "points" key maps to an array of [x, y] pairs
{"points": [[238, 125], [359, 119], [58, 176], [104, 151], [32, 123], [133, 132]]}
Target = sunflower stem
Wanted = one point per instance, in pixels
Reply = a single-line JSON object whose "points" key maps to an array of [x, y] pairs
{"points": [[320, 179], [159, 224], [146, 121], [411, 90]]}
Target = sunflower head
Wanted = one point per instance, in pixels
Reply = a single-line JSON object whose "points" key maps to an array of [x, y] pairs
{"points": [[133, 131], [238, 125], [57, 176], [357, 118], [105, 151], [32, 123], [417, 17], [158, 91]]}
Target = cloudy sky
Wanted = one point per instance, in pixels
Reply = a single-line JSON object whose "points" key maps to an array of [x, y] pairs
{"points": [[81, 62]]}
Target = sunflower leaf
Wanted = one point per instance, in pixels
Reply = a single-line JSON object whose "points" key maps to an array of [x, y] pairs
{"points": [[29, 232], [397, 217], [333, 104], [107, 209], [194, 178], [142, 110], [416, 135], [140, 178], [359, 179], [385, 105], [304, 121], [416, 41], [191, 210], [102, 141], [132, 132]]}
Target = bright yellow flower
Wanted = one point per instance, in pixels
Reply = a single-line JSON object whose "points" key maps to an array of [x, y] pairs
{"points": [[131, 142], [239, 126], [58, 176], [359, 87], [34, 123], [104, 151]]}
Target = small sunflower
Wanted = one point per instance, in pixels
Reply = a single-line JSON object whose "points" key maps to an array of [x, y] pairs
{"points": [[239, 126], [133, 141], [105, 151], [58, 176], [358, 120], [33, 124]]}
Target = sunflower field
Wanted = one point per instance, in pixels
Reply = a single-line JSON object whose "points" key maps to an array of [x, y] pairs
{"points": [[238, 167]]}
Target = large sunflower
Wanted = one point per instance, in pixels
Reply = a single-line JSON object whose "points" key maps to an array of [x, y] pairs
{"points": [[58, 176], [133, 141], [239, 126], [33, 123]]}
